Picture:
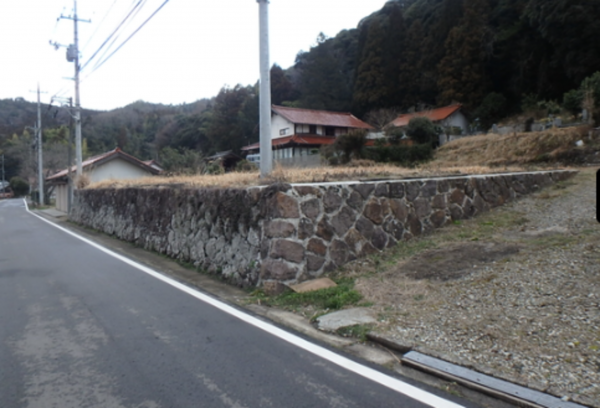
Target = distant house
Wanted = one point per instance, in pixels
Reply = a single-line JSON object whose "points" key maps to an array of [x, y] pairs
{"points": [[450, 118], [115, 165], [227, 159], [297, 134]]}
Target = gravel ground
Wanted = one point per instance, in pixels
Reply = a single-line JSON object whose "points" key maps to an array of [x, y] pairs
{"points": [[530, 316]]}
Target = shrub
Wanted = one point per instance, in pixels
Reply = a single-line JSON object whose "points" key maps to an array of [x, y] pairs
{"points": [[394, 135], [245, 166], [492, 109], [573, 100], [402, 155], [19, 186], [422, 130], [351, 144]]}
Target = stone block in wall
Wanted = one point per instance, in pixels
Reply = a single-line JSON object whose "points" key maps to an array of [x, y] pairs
{"points": [[422, 207], [343, 221], [364, 190], [355, 201], [332, 200], [365, 227], [412, 190], [399, 209], [374, 211], [396, 190], [316, 246], [324, 229], [279, 229], [306, 228], [429, 188], [311, 208], [288, 250], [314, 262], [277, 269], [339, 252]]}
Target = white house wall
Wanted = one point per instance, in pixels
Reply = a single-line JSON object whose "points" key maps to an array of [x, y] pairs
{"points": [[279, 123], [457, 119], [117, 169]]}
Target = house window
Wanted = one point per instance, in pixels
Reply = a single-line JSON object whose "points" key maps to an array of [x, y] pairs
{"points": [[283, 132], [302, 129], [312, 129], [329, 131], [341, 131]]}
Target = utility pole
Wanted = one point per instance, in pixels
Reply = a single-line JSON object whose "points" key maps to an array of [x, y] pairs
{"points": [[73, 56], [39, 140], [266, 152]]}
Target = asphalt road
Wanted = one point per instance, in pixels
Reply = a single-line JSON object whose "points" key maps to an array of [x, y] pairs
{"points": [[80, 328]]}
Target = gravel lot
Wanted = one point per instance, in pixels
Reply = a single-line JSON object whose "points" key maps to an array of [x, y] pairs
{"points": [[514, 293]]}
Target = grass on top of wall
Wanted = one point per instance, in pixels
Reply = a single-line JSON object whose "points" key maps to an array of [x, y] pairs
{"points": [[364, 172], [479, 154]]}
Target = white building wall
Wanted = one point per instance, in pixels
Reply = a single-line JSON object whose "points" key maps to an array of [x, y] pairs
{"points": [[457, 119], [117, 169], [279, 124], [61, 193]]}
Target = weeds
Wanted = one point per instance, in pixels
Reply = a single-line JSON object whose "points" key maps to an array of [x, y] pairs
{"points": [[334, 298]]}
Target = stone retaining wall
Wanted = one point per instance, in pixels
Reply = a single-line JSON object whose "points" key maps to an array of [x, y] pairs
{"points": [[293, 232]]}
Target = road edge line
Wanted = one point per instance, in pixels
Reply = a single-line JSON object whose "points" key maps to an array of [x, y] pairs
{"points": [[395, 384]]}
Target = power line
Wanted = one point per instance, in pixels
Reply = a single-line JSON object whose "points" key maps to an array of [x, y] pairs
{"points": [[112, 34], [128, 38], [99, 25], [118, 35]]}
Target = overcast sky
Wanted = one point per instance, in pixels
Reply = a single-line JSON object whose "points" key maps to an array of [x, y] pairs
{"points": [[189, 50]]}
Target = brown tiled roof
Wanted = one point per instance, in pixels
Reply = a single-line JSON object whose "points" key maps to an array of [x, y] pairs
{"points": [[433, 114], [319, 117], [295, 139], [102, 158]]}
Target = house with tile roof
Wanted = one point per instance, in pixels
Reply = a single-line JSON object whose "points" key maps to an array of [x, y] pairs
{"points": [[448, 117], [115, 165], [297, 134]]}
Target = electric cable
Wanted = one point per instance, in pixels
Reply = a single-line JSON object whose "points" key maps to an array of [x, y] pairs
{"points": [[98, 26], [118, 35], [128, 38], [112, 34]]}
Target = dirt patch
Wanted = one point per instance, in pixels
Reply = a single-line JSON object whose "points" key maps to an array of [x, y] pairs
{"points": [[454, 261]]}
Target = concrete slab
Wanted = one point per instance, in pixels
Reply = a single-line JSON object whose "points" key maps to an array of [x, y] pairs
{"points": [[315, 284], [53, 212], [345, 318]]}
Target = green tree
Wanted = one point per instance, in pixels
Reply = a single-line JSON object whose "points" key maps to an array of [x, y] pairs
{"points": [[422, 130], [371, 91], [282, 89], [322, 80], [19, 186], [492, 108], [462, 74]]}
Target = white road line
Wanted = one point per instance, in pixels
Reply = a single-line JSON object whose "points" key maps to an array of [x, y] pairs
{"points": [[367, 372]]}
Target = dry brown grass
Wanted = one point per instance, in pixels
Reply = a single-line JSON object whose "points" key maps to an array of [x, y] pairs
{"points": [[300, 175], [472, 155], [512, 149]]}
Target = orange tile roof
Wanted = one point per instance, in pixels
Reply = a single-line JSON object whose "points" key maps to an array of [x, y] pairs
{"points": [[297, 139], [319, 117], [105, 157], [434, 114]]}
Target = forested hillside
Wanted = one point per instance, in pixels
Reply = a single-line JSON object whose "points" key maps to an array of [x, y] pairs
{"points": [[493, 56]]}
